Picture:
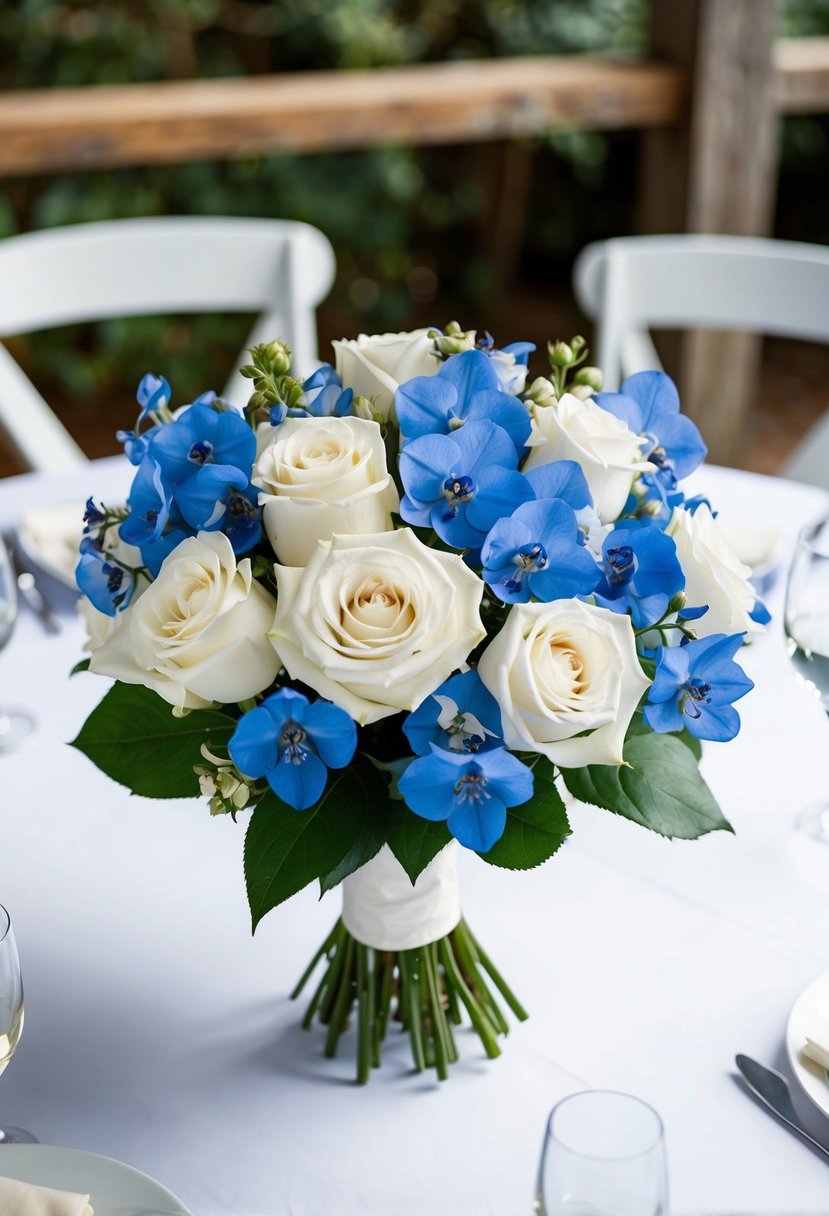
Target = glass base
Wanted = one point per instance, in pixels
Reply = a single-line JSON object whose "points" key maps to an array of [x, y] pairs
{"points": [[15, 726], [16, 1135], [814, 822]]}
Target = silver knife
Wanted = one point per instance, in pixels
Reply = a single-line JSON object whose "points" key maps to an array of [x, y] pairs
{"points": [[29, 590], [773, 1090]]}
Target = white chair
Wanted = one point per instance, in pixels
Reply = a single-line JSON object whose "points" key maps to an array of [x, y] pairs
{"points": [[746, 284], [144, 267]]}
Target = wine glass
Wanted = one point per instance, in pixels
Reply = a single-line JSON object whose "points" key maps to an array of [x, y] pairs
{"points": [[11, 1015], [14, 726], [603, 1155], [807, 633]]}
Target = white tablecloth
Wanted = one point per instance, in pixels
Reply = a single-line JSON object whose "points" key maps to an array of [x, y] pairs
{"points": [[158, 1030]]}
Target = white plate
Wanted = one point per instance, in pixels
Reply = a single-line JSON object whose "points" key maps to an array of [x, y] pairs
{"points": [[114, 1189], [810, 1008]]}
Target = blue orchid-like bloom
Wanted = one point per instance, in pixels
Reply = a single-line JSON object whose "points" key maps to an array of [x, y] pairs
{"points": [[466, 389], [471, 793], [219, 497], [153, 393], [640, 573], [562, 479], [695, 686], [461, 715], [150, 502], [292, 742], [323, 396], [460, 484], [201, 436], [511, 372], [538, 552], [649, 403], [107, 584]]}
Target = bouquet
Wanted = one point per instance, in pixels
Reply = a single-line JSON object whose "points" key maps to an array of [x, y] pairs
{"points": [[403, 605]]}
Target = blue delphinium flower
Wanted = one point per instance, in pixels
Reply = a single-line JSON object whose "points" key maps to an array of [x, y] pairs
{"points": [[649, 403], [466, 389], [460, 484], [200, 436], [640, 573], [105, 582], [219, 497], [537, 552], [471, 793], [562, 479], [293, 742], [323, 394], [153, 394], [694, 687], [510, 363], [460, 716]]}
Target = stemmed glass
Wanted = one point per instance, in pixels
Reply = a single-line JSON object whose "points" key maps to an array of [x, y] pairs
{"points": [[14, 726], [807, 633], [603, 1155], [11, 1015]]}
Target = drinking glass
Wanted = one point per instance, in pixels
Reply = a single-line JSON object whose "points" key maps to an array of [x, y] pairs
{"points": [[603, 1155], [807, 633], [11, 1015], [14, 726]]}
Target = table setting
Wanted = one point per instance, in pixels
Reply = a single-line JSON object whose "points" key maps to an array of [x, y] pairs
{"points": [[658, 967]]}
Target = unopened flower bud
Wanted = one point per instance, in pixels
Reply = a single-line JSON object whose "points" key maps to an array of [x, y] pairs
{"points": [[577, 344], [561, 354], [453, 340], [364, 407], [274, 357], [677, 602], [589, 377], [541, 392]]}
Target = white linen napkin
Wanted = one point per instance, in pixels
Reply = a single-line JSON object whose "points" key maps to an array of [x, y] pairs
{"points": [[817, 1043], [23, 1199]]}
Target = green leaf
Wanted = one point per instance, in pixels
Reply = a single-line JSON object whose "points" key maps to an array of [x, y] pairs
{"points": [[82, 665], [286, 849], [373, 805], [534, 830], [413, 840], [638, 726], [134, 738], [393, 771], [660, 788]]}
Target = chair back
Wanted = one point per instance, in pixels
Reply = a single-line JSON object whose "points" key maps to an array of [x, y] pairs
{"points": [[127, 268], [748, 284]]}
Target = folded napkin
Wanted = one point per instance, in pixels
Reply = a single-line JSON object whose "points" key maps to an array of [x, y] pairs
{"points": [[22, 1199], [51, 535], [817, 1043]]}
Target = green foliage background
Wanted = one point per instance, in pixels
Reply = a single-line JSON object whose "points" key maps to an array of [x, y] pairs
{"points": [[412, 228]]}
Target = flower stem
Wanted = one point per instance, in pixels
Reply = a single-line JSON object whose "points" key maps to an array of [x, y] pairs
{"points": [[426, 988]]}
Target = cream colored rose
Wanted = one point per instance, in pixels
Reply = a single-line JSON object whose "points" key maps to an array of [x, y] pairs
{"points": [[606, 448], [375, 623], [319, 476], [560, 669], [375, 365], [713, 574], [198, 633]]}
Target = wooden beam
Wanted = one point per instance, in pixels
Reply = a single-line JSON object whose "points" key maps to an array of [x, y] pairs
{"points": [[802, 75], [718, 174], [55, 130]]}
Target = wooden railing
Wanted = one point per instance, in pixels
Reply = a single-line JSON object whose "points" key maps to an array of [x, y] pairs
{"points": [[52, 130]]}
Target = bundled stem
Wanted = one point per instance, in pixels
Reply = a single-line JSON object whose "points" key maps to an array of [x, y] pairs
{"points": [[424, 989]]}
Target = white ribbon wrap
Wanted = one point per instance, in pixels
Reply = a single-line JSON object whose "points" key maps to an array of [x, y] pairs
{"points": [[383, 910]]}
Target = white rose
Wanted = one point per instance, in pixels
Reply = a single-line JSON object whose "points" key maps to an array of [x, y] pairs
{"points": [[320, 476], [512, 375], [560, 669], [375, 623], [198, 633], [713, 574], [606, 448], [375, 365]]}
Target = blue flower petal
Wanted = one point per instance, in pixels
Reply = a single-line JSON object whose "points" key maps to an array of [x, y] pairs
{"points": [[332, 731], [253, 744], [301, 783], [478, 826]]}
